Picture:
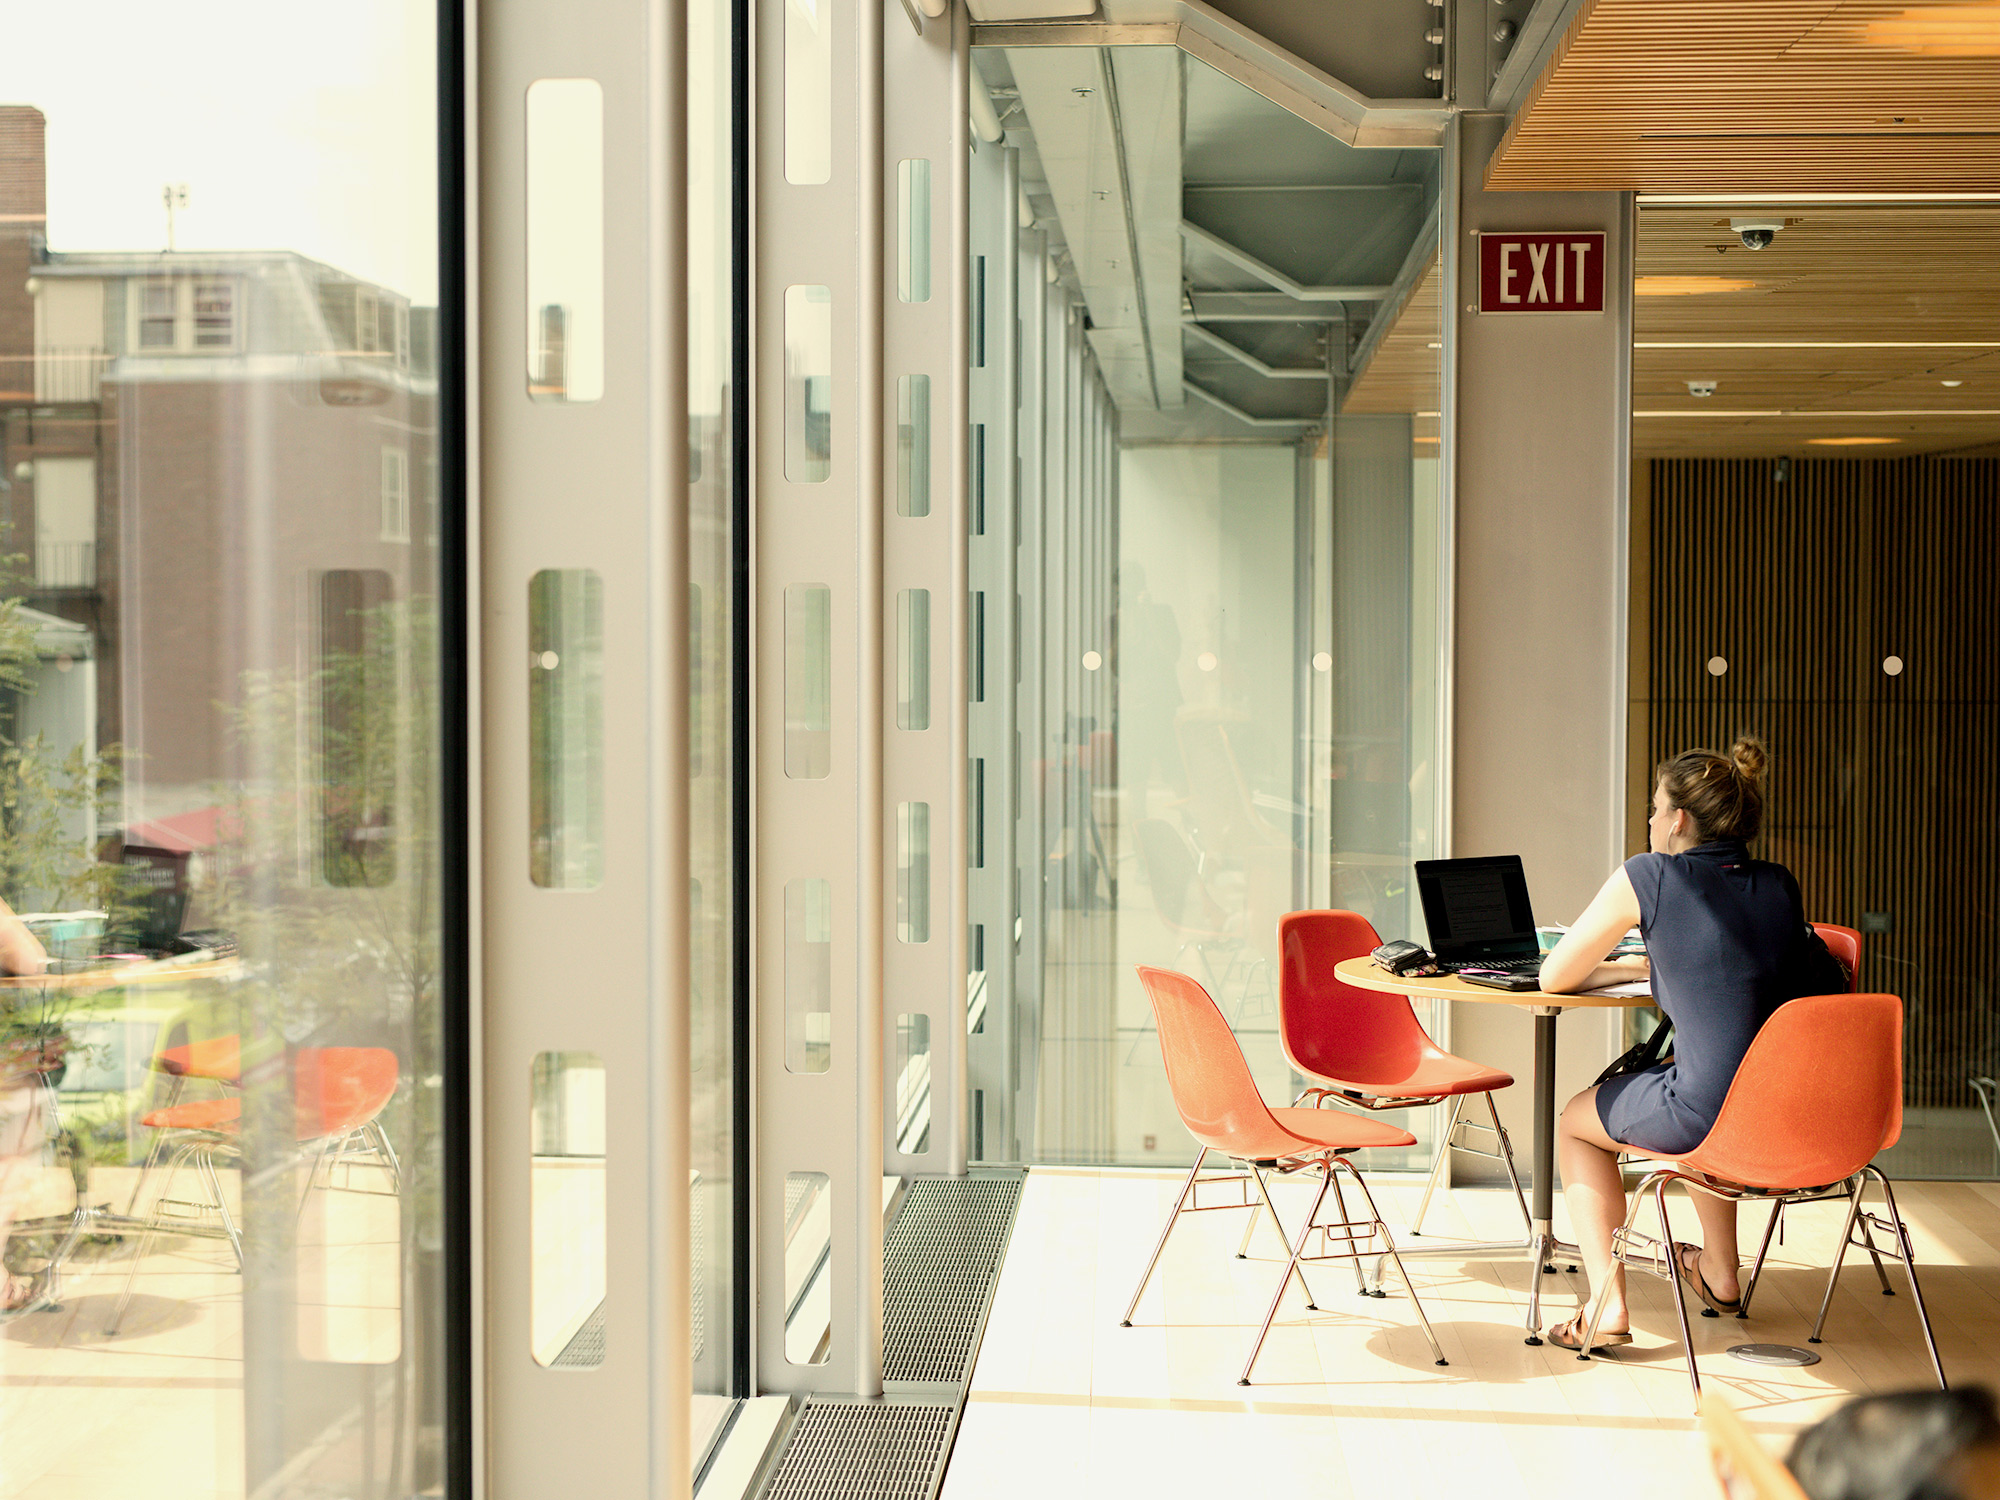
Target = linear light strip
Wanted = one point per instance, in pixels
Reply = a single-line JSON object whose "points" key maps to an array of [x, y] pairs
{"points": [[1838, 416], [1814, 344]]}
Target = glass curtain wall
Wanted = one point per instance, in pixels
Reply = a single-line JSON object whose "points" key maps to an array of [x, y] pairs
{"points": [[1204, 576], [222, 1189]]}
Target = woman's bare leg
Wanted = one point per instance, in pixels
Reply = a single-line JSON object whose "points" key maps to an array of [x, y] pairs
{"points": [[1718, 1245], [1595, 1194]]}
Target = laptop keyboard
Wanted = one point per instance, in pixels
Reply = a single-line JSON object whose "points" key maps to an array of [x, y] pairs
{"points": [[1505, 965]]}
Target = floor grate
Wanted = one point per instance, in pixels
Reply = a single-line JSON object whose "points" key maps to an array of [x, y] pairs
{"points": [[864, 1450], [939, 1265]]}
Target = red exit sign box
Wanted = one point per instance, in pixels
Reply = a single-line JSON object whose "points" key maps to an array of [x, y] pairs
{"points": [[1541, 273]]}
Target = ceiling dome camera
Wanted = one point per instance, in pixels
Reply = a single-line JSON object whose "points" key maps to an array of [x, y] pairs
{"points": [[1756, 233]]}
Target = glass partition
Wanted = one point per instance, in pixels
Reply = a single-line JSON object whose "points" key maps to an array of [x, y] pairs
{"points": [[223, 1110], [1222, 374]]}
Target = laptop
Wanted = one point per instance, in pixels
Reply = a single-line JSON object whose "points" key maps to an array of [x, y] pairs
{"points": [[1478, 913]]}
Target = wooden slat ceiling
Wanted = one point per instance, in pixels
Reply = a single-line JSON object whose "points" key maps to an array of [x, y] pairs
{"points": [[1404, 374], [1855, 281], [1765, 96]]}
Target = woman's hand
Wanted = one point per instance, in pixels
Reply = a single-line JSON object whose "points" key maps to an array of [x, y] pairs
{"points": [[1577, 964]]}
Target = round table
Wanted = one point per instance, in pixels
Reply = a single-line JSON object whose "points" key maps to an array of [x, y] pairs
{"points": [[1364, 973]]}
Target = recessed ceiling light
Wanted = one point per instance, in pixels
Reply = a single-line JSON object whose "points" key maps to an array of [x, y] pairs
{"points": [[1852, 442], [1951, 382], [1687, 286]]}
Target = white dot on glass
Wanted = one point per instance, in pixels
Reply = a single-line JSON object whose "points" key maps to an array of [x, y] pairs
{"points": [[548, 661], [1092, 661], [65, 662], [1893, 665], [1206, 661], [1322, 662], [1717, 666]]}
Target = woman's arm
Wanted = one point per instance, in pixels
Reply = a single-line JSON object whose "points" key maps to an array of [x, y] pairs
{"points": [[1577, 963]]}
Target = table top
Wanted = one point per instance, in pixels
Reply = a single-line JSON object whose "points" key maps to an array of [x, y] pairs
{"points": [[1363, 973], [158, 971]]}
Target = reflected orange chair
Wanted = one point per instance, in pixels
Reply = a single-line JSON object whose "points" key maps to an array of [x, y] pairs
{"points": [[1368, 1049], [1818, 1094], [1218, 1102], [338, 1095]]}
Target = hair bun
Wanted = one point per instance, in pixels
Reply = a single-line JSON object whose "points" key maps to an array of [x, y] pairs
{"points": [[1750, 758]]}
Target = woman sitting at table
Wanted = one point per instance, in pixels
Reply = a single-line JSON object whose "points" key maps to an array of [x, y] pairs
{"points": [[1726, 944]]}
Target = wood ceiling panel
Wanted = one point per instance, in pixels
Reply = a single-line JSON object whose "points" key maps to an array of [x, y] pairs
{"points": [[1776, 96], [1404, 373]]}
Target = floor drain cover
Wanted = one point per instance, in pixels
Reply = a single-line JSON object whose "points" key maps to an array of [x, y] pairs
{"points": [[1774, 1354]]}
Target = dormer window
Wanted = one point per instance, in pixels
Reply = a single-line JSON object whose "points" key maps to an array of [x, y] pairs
{"points": [[186, 315]]}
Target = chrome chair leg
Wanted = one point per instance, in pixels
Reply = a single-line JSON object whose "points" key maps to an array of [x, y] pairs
{"points": [[1757, 1265], [1388, 1240], [1291, 1270], [1440, 1166], [146, 1237], [1667, 1247], [1907, 1254], [1172, 1219], [1839, 1255], [1507, 1160], [1257, 1215], [1361, 1286], [1278, 1224]]}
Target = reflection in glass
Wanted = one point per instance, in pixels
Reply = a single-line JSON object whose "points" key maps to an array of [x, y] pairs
{"points": [[566, 729], [913, 659], [912, 1079], [566, 1236], [565, 239], [913, 216], [808, 384], [913, 872], [808, 975], [808, 681], [913, 445], [808, 1269], [808, 91], [357, 727]]}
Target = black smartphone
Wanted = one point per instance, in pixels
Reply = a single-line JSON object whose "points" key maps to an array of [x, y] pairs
{"points": [[1500, 979]]}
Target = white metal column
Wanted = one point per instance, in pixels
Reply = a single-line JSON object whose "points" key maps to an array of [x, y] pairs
{"points": [[600, 485]]}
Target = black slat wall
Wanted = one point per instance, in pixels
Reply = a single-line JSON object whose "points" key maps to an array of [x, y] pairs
{"points": [[1884, 794]]}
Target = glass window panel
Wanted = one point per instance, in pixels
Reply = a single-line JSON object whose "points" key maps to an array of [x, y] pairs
{"points": [[808, 975], [913, 216], [808, 1268], [913, 659], [808, 681], [566, 729], [565, 239], [566, 1235], [808, 91], [913, 1083], [913, 445], [358, 727], [913, 872], [808, 384]]}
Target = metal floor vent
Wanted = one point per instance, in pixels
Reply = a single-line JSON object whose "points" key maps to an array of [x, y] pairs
{"points": [[939, 1265], [864, 1450], [585, 1350]]}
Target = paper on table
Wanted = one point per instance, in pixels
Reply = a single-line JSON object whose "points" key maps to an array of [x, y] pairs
{"points": [[1626, 991]]}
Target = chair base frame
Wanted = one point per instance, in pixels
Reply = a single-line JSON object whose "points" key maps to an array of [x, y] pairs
{"points": [[1632, 1247], [1354, 1233]]}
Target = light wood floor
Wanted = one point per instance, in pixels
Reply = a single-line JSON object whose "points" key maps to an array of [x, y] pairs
{"points": [[1347, 1400]]}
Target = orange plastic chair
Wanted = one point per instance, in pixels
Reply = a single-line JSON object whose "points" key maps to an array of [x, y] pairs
{"points": [[1219, 1103], [1844, 943], [1818, 1094], [1368, 1049], [338, 1095]]}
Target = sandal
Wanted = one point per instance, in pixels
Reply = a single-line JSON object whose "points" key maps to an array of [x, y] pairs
{"points": [[26, 1294], [1690, 1272], [1574, 1340]]}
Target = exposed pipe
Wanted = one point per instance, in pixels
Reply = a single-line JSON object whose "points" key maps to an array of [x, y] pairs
{"points": [[985, 119]]}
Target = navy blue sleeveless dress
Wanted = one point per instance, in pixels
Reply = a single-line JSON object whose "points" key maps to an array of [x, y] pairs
{"points": [[1727, 938]]}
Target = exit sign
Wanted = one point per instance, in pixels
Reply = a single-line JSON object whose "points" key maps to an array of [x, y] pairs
{"points": [[1528, 273]]}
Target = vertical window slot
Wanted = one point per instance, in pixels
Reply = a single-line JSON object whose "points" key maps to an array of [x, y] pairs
{"points": [[566, 729]]}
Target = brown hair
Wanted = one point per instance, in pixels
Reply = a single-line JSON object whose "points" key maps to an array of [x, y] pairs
{"points": [[1724, 794]]}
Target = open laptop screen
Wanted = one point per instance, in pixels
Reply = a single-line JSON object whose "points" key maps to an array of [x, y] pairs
{"points": [[1477, 907]]}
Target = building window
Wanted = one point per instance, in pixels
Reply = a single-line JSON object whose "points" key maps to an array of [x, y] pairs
{"points": [[215, 315], [395, 495], [159, 303]]}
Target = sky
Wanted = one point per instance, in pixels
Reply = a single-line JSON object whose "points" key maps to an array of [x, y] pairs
{"points": [[295, 127]]}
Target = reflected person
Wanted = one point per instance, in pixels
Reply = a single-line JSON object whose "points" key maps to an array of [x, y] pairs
{"points": [[23, 1058]]}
